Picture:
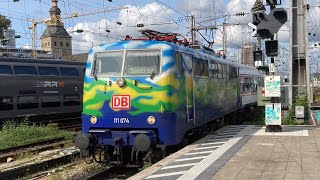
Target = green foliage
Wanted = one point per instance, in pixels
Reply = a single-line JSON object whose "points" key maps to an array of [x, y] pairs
{"points": [[146, 164], [13, 134], [4, 25], [300, 100]]}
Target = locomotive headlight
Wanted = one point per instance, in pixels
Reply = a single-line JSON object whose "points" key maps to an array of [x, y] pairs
{"points": [[93, 119], [151, 120], [121, 82]]}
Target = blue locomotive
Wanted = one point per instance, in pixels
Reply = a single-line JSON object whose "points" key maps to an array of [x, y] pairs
{"points": [[142, 94]]}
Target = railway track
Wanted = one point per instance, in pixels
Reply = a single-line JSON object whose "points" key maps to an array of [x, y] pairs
{"points": [[70, 123], [115, 172], [33, 147]]}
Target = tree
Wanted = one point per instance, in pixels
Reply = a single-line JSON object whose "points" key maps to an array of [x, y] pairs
{"points": [[5, 23]]}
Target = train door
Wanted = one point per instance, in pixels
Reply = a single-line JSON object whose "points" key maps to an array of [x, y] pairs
{"points": [[188, 75]]}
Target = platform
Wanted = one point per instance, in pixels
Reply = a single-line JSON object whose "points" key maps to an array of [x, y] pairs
{"points": [[244, 152]]}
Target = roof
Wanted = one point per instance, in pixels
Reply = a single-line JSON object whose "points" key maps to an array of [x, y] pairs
{"points": [[14, 60], [55, 31], [55, 10]]}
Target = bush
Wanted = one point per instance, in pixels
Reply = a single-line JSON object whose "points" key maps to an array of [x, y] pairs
{"points": [[13, 134], [300, 100]]}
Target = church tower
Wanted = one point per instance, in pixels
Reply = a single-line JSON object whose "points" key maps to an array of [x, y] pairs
{"points": [[55, 38]]}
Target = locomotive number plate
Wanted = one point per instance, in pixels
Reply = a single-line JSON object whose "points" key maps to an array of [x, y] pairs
{"points": [[121, 102]]}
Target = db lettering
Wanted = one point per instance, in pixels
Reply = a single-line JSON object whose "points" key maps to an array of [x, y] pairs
{"points": [[121, 102]]}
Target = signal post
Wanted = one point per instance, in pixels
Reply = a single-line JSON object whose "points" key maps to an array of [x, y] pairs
{"points": [[265, 26]]}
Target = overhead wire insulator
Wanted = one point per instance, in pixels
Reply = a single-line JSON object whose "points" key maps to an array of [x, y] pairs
{"points": [[140, 25], [240, 14]]}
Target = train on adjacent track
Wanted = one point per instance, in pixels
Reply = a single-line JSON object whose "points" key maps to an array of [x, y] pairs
{"points": [[41, 90], [146, 94]]}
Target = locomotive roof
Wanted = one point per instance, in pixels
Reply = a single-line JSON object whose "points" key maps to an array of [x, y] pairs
{"points": [[149, 43], [39, 61]]}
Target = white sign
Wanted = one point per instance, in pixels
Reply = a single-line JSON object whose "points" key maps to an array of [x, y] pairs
{"points": [[272, 67], [258, 63], [299, 112], [316, 82], [273, 114], [272, 86], [254, 27]]}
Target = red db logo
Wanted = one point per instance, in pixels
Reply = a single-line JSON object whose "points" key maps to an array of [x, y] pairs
{"points": [[121, 102]]}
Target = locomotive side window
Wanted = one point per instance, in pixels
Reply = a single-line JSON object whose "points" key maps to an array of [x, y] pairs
{"points": [[200, 67], [215, 70], [142, 62], [48, 71], [6, 103], [25, 70], [205, 68], [50, 101], [69, 71], [179, 64], [71, 100], [27, 102], [5, 70]]}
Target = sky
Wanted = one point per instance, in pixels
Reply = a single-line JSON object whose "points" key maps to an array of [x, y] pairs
{"points": [[160, 15]]}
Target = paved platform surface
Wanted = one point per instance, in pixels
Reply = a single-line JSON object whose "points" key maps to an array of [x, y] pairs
{"points": [[275, 156], [244, 152]]}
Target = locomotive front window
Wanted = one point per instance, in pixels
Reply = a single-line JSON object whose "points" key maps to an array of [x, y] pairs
{"points": [[108, 63], [142, 62]]}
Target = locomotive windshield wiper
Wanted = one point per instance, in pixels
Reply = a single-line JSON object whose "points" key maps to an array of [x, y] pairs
{"points": [[153, 74]]}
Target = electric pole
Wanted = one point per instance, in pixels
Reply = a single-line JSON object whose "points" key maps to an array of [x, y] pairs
{"points": [[299, 74], [225, 24]]}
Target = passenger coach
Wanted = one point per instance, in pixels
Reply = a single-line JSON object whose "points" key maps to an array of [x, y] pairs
{"points": [[40, 89]]}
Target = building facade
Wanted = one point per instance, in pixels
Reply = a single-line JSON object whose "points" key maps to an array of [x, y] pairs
{"points": [[9, 35], [247, 54]]}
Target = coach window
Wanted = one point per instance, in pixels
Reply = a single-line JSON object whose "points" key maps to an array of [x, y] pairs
{"points": [[179, 63], [233, 73], [220, 71], [254, 84], [223, 71], [50, 101], [48, 71], [71, 100], [5, 70], [6, 103], [27, 102], [25, 70], [69, 71]]}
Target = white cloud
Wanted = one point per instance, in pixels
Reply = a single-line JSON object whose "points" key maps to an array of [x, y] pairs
{"points": [[95, 32]]}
